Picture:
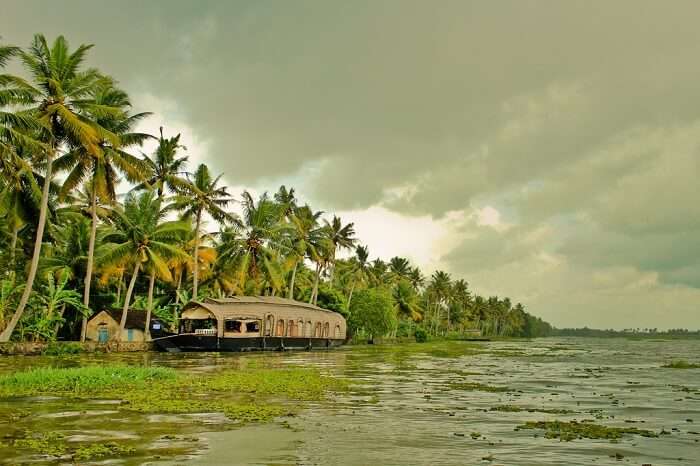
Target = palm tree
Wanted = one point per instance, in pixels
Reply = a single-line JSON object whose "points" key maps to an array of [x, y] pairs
{"points": [[459, 299], [139, 239], [415, 276], [440, 288], [166, 169], [287, 200], [52, 301], [406, 301], [341, 237], [62, 103], [304, 238], [102, 168], [202, 195], [254, 242], [358, 270], [400, 268]]}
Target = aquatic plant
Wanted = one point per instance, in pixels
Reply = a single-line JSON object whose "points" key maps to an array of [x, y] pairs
{"points": [[681, 364], [567, 431]]}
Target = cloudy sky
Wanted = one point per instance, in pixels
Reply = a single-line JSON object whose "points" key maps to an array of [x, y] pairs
{"points": [[543, 150]]}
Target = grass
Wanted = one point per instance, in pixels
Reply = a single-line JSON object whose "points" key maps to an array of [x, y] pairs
{"points": [[567, 431], [681, 364]]}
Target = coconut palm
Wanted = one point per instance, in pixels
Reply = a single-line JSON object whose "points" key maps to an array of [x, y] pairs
{"points": [[340, 237], [201, 195], [142, 240], [406, 301], [358, 270], [440, 288], [400, 268], [253, 243], [62, 103], [304, 238], [166, 169], [102, 168]]}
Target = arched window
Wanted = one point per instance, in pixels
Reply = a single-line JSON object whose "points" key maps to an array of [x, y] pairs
{"points": [[309, 331], [336, 334], [269, 325], [326, 330], [291, 329], [300, 328], [317, 330], [280, 328]]}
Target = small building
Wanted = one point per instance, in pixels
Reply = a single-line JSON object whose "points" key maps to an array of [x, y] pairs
{"points": [[104, 326]]}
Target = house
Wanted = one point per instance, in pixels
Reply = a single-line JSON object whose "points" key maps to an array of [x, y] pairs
{"points": [[104, 326]]}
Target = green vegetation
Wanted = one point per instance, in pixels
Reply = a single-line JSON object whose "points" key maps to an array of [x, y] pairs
{"points": [[62, 243], [567, 431], [681, 364], [519, 409], [243, 395], [475, 386]]}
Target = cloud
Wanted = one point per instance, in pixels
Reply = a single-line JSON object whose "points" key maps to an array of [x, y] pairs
{"points": [[547, 151]]}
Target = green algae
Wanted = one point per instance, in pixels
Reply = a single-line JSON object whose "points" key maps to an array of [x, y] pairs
{"points": [[54, 444], [681, 364], [567, 431]]}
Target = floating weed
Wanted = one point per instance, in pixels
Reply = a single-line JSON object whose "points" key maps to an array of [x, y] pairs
{"points": [[475, 386], [518, 409], [681, 364], [567, 431], [102, 450], [243, 395]]}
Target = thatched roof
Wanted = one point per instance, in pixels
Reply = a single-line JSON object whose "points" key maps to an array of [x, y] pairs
{"points": [[254, 303]]}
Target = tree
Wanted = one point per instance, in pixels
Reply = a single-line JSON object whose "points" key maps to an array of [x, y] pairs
{"points": [[102, 167], [439, 288], [372, 313], [254, 241], [400, 268], [141, 239], [166, 170], [406, 301], [358, 270], [50, 303], [61, 103], [340, 237], [202, 195], [305, 238]]}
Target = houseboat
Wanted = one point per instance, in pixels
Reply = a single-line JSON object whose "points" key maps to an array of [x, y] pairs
{"points": [[254, 323]]}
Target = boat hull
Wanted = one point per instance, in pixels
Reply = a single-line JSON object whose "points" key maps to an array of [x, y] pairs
{"points": [[188, 342]]}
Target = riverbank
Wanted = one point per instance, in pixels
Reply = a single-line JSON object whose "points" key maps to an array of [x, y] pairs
{"points": [[27, 348]]}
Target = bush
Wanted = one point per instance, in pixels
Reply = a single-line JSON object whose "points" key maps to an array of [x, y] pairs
{"points": [[421, 335], [60, 349]]}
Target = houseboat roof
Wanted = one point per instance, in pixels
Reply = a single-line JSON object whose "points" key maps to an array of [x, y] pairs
{"points": [[224, 304]]}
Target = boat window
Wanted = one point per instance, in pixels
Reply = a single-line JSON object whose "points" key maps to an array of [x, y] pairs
{"points": [[252, 327], [337, 331], [233, 326], [309, 329], [280, 328], [192, 325], [326, 330], [300, 328], [317, 330], [269, 325]]}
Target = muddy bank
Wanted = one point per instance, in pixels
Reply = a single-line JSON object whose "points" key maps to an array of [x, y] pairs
{"points": [[71, 347]]}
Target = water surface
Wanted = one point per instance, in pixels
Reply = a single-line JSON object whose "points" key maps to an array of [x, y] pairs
{"points": [[434, 404]]}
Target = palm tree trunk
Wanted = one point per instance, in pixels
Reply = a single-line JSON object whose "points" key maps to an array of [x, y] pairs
{"points": [[151, 285], [314, 291], [179, 285], [119, 287], [195, 267], [13, 247], [290, 293], [127, 298], [90, 259], [352, 288], [7, 333]]}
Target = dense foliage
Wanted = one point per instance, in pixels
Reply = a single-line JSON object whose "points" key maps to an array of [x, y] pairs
{"points": [[69, 246]]}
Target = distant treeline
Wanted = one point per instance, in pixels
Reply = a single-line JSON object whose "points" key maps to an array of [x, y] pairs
{"points": [[641, 332]]}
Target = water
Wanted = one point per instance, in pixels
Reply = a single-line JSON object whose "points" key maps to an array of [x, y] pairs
{"points": [[417, 405]]}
